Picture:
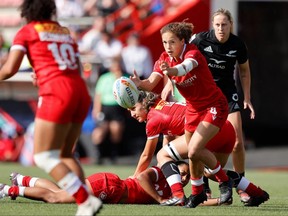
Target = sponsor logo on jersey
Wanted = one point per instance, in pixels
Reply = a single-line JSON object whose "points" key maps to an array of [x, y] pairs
{"points": [[208, 49], [216, 65], [160, 105], [188, 82], [231, 53]]}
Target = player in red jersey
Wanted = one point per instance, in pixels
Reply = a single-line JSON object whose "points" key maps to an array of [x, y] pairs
{"points": [[161, 117], [149, 187], [168, 118], [63, 97], [207, 107]]}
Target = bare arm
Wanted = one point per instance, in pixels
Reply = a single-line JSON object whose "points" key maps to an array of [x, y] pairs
{"points": [[245, 78], [146, 156], [12, 64], [146, 84], [146, 180]]}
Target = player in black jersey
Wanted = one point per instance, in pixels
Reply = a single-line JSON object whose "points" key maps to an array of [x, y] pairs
{"points": [[226, 52]]}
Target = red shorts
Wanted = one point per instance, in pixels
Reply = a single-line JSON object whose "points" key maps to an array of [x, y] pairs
{"points": [[107, 186], [64, 100], [215, 114], [224, 141]]}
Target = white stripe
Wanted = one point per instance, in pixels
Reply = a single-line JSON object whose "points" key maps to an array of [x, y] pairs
{"points": [[197, 182], [153, 137], [18, 47], [173, 179], [243, 184]]}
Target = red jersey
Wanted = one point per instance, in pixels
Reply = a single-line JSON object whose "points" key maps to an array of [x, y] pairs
{"points": [[50, 49], [167, 118], [110, 188], [53, 54], [197, 86], [136, 194]]}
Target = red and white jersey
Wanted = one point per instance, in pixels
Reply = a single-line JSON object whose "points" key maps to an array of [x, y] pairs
{"points": [[197, 86], [166, 118], [49, 48], [136, 194]]}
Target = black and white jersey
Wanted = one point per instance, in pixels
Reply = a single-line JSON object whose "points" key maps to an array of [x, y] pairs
{"points": [[222, 58]]}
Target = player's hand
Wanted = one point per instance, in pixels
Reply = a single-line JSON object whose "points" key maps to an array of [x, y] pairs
{"points": [[135, 78], [248, 104]]}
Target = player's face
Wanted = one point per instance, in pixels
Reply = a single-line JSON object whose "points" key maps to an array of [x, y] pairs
{"points": [[185, 174], [138, 112], [222, 27], [172, 44]]}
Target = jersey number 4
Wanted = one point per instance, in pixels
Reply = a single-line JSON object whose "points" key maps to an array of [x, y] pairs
{"points": [[64, 55]]}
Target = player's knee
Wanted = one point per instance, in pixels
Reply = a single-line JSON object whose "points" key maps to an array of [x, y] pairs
{"points": [[47, 160]]}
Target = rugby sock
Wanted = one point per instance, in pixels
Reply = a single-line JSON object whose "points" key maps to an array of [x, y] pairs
{"points": [[249, 187], [219, 173], [172, 175], [14, 191], [72, 184], [28, 181], [197, 185]]}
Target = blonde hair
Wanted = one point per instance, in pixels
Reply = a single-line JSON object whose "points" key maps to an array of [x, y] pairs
{"points": [[183, 30], [226, 13]]}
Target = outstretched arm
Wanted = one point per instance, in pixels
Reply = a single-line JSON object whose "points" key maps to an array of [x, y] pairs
{"points": [[146, 156], [146, 180]]}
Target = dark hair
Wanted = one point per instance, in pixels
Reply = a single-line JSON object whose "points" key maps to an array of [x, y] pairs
{"points": [[183, 30], [37, 10], [148, 99]]}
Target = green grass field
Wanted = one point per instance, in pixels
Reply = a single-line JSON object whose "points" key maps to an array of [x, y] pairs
{"points": [[275, 183]]}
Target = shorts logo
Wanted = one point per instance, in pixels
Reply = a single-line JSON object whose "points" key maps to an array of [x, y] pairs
{"points": [[213, 112], [102, 195]]}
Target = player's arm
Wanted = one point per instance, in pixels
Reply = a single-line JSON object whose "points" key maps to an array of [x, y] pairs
{"points": [[245, 78], [12, 64], [146, 156], [146, 84], [146, 180]]}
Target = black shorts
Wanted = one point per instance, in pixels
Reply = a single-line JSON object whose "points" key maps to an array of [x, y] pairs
{"points": [[116, 113], [233, 103]]}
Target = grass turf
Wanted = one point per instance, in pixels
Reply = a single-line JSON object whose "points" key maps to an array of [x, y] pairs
{"points": [[274, 182]]}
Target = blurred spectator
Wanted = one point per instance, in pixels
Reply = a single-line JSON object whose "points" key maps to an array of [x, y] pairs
{"points": [[136, 57], [109, 116], [100, 7], [4, 49], [69, 8], [92, 36], [107, 48]]}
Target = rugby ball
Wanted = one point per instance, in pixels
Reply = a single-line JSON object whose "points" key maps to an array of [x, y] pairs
{"points": [[125, 92]]}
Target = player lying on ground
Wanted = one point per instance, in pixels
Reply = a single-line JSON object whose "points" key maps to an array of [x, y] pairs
{"points": [[148, 188], [168, 118]]}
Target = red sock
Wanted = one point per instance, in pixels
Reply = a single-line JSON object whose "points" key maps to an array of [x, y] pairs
{"points": [[197, 185], [81, 195], [13, 192], [221, 176], [253, 190], [26, 181], [177, 190]]}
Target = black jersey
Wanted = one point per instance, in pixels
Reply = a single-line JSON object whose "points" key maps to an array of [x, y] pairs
{"points": [[222, 58]]}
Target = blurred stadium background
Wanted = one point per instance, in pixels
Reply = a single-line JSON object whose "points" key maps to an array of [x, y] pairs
{"points": [[261, 24]]}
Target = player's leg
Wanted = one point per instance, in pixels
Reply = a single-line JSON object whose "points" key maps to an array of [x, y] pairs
{"points": [[238, 153], [257, 195], [47, 156], [18, 179], [174, 151], [198, 153], [37, 193]]}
